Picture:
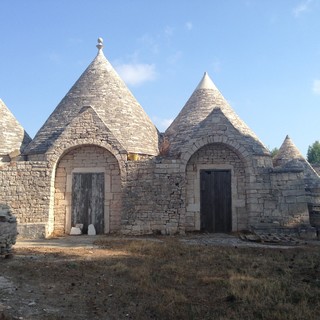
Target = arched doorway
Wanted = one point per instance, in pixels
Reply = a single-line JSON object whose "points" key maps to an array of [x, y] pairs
{"points": [[216, 190], [87, 190]]}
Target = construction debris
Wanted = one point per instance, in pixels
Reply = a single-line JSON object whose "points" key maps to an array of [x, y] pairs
{"points": [[8, 231]]}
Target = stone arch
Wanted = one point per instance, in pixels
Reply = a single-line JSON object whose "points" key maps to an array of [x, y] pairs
{"points": [[216, 154], [81, 159], [59, 149], [240, 150]]}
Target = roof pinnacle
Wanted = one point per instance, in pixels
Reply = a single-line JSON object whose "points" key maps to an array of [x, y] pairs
{"points": [[206, 83], [100, 44]]}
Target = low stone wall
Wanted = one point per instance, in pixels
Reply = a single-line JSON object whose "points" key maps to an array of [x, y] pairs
{"points": [[25, 189], [288, 192]]}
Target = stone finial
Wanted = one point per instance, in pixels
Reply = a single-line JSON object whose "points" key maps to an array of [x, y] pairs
{"points": [[100, 44], [206, 83]]}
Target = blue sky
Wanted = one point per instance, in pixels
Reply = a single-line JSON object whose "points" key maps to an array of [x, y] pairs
{"points": [[263, 55]]}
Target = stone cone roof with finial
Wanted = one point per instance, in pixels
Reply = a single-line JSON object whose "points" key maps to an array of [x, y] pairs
{"points": [[101, 88], [197, 118], [287, 152], [290, 157], [12, 135]]}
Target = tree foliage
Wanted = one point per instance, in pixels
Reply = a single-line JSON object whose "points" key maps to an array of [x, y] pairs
{"points": [[313, 154], [274, 151]]}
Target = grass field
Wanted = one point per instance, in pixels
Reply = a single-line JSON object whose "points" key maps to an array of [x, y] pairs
{"points": [[131, 279]]}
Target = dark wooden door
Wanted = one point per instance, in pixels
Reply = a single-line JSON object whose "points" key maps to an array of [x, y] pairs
{"points": [[88, 200], [215, 201]]}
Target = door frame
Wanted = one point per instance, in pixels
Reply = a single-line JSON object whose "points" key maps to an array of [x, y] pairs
{"points": [[107, 189]]}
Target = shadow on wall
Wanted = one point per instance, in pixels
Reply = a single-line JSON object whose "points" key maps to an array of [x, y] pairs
{"points": [[8, 230]]}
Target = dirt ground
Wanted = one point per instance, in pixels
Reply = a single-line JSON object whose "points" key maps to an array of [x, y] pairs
{"points": [[79, 278]]}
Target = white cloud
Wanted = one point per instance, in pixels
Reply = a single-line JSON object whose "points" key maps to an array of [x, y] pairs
{"points": [[301, 8], [136, 73], [162, 123], [316, 86], [189, 25]]}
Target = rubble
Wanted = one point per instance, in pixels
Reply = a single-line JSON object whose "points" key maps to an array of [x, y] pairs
{"points": [[270, 238], [8, 231]]}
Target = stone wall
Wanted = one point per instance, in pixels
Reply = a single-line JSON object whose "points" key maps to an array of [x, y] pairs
{"points": [[284, 205], [153, 194], [25, 188], [154, 197]]}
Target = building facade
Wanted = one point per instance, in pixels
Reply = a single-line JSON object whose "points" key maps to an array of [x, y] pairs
{"points": [[100, 160]]}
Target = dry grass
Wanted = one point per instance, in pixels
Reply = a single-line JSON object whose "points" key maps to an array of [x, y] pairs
{"points": [[170, 280]]}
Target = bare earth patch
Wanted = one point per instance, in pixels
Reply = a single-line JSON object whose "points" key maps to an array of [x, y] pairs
{"points": [[166, 278]]}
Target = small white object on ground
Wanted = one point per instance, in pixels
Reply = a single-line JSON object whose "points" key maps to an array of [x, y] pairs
{"points": [[91, 230]]}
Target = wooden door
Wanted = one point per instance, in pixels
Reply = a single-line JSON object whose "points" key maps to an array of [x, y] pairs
{"points": [[215, 201], [88, 200]]}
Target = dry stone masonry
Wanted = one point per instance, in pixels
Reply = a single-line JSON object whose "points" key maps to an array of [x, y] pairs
{"points": [[8, 230], [100, 163]]}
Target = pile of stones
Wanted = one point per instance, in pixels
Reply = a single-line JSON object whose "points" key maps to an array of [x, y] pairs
{"points": [[8, 231]]}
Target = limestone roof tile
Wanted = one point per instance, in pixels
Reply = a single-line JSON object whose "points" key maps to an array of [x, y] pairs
{"points": [[206, 98], [101, 88], [12, 135], [289, 156], [287, 152]]}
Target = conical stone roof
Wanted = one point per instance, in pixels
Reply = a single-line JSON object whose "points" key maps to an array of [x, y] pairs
{"points": [[12, 136], [290, 157], [287, 152], [101, 88], [191, 121]]}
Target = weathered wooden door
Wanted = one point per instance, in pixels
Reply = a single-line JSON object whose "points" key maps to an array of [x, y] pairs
{"points": [[215, 200], [88, 200]]}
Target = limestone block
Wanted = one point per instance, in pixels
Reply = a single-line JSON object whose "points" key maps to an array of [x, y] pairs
{"points": [[79, 225], [91, 230], [75, 231]]}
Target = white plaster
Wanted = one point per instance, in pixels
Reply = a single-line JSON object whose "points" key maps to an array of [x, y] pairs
{"points": [[206, 83]]}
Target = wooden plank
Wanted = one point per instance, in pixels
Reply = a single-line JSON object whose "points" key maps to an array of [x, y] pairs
{"points": [[88, 200], [215, 201], [222, 201], [97, 202]]}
